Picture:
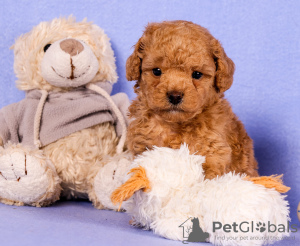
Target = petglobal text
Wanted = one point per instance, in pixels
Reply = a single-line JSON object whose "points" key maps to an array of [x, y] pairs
{"points": [[252, 226]]}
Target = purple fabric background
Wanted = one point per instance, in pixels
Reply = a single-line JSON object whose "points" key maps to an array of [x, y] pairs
{"points": [[79, 223], [262, 38]]}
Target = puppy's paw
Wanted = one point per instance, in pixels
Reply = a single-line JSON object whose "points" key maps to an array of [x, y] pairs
{"points": [[210, 175]]}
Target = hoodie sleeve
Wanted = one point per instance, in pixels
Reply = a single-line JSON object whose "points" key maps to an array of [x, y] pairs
{"points": [[4, 130], [9, 124], [122, 102]]}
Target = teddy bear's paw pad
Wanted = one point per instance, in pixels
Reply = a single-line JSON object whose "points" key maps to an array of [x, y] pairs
{"points": [[13, 166], [23, 177]]}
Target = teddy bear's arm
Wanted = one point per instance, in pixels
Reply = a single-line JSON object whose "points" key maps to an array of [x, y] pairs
{"points": [[122, 102], [10, 119], [3, 129]]}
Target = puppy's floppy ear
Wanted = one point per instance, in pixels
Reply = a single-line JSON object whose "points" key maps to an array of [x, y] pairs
{"points": [[224, 67], [134, 62]]}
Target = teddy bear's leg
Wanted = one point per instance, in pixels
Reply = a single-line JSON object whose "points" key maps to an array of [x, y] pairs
{"points": [[108, 178], [27, 177], [91, 187]]}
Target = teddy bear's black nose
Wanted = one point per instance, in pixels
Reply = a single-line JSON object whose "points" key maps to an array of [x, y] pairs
{"points": [[71, 46], [175, 97]]}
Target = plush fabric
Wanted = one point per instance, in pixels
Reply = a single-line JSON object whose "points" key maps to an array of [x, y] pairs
{"points": [[62, 115], [110, 177], [167, 186], [32, 180], [77, 126], [84, 63]]}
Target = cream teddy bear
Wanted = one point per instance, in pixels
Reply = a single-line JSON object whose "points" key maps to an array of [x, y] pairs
{"points": [[54, 142], [166, 192]]}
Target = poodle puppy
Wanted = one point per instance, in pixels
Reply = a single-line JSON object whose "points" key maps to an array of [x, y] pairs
{"points": [[182, 72]]}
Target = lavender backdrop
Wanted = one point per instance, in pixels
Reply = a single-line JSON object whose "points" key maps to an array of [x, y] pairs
{"points": [[262, 38]]}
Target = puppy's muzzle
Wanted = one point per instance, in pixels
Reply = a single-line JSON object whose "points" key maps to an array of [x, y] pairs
{"points": [[175, 97]]}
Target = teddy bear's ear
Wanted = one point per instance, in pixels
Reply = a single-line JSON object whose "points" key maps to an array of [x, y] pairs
{"points": [[105, 55], [224, 67], [134, 62], [19, 43]]}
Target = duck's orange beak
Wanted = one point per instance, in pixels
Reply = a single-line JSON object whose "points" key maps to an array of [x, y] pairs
{"points": [[138, 181], [270, 182]]}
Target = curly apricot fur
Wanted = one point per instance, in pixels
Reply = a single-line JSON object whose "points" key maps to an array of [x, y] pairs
{"points": [[204, 119]]}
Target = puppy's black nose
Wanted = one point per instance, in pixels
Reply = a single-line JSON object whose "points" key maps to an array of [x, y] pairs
{"points": [[175, 97]]}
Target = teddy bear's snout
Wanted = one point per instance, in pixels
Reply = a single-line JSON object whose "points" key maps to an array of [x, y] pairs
{"points": [[69, 63], [71, 46]]}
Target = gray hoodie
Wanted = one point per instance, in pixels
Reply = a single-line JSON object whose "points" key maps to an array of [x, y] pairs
{"points": [[63, 114]]}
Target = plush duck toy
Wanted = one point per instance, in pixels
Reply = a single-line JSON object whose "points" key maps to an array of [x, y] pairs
{"points": [[166, 191]]}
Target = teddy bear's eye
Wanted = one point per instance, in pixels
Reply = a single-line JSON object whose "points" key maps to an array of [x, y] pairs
{"points": [[46, 47], [196, 75], [156, 71]]}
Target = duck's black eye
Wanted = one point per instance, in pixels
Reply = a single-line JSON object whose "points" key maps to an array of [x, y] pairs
{"points": [[156, 71], [46, 47], [196, 75]]}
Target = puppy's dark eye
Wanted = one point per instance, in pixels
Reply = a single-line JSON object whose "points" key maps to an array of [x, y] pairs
{"points": [[156, 71], [196, 75], [46, 47]]}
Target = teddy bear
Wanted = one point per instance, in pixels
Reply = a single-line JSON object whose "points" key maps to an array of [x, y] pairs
{"points": [[54, 142], [166, 191]]}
